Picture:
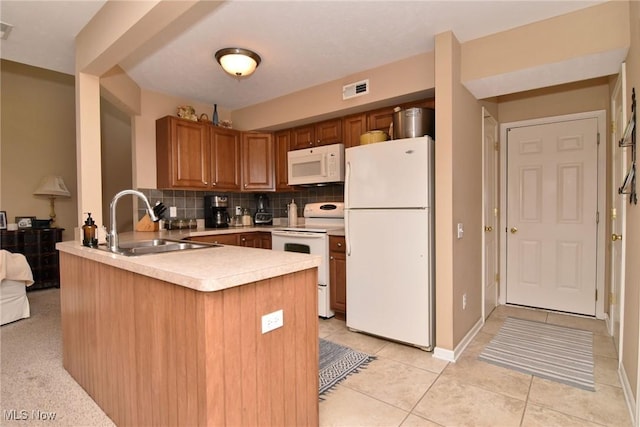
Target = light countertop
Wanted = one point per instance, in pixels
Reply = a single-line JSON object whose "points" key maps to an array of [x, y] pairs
{"points": [[206, 270]]}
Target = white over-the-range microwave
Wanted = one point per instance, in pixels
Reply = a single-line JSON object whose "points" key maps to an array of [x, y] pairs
{"points": [[319, 165]]}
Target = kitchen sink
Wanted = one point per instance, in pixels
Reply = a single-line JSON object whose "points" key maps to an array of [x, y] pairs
{"points": [[156, 246]]}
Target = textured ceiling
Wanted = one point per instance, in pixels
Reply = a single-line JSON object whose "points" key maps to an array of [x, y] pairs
{"points": [[302, 43]]}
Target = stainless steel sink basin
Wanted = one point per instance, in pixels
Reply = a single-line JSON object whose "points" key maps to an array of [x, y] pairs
{"points": [[156, 246]]}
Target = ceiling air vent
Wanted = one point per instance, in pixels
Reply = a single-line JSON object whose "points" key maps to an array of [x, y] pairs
{"points": [[355, 89]]}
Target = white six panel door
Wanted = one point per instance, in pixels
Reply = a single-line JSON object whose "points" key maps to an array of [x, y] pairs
{"points": [[551, 219]]}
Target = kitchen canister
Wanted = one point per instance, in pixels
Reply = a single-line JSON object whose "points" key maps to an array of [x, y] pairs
{"points": [[293, 213], [413, 123]]}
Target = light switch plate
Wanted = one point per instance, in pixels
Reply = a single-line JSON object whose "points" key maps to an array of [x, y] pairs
{"points": [[173, 211], [460, 230]]}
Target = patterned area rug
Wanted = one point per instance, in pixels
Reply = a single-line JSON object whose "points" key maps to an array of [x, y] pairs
{"points": [[337, 362], [548, 351]]}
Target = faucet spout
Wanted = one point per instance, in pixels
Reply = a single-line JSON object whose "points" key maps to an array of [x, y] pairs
{"points": [[113, 234]]}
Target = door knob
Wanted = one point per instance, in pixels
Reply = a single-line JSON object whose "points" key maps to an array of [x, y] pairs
{"points": [[488, 228], [615, 237], [514, 230]]}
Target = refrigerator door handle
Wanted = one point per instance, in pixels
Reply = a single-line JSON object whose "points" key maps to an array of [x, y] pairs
{"points": [[347, 178], [346, 232]]}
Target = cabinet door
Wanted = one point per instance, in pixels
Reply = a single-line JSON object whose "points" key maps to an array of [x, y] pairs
{"points": [[282, 141], [222, 239], [225, 158], [338, 276], [380, 119], [352, 128], [182, 156], [265, 239], [328, 132], [302, 137], [258, 162], [257, 239]]}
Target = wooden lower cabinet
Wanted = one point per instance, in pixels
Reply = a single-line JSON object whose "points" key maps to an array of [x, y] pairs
{"points": [[152, 353], [254, 239], [338, 276], [221, 239]]}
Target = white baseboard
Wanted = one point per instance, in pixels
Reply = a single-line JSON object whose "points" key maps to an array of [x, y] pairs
{"points": [[453, 355], [628, 393]]}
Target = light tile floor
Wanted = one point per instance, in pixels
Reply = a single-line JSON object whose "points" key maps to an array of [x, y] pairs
{"points": [[406, 386]]}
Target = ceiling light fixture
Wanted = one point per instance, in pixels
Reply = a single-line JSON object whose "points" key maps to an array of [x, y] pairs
{"points": [[237, 61], [5, 30]]}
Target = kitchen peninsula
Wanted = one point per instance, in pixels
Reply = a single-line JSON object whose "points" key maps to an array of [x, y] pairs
{"points": [[177, 338]]}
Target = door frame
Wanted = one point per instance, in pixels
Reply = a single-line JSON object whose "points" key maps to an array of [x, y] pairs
{"points": [[488, 186], [617, 293], [601, 116]]}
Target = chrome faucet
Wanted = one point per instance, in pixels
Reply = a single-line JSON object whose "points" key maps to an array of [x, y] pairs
{"points": [[113, 234]]}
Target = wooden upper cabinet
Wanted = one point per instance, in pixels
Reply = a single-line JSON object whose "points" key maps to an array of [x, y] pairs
{"points": [[352, 128], [182, 154], [329, 132], [380, 119], [258, 162], [225, 158], [313, 135], [282, 142], [302, 137]]}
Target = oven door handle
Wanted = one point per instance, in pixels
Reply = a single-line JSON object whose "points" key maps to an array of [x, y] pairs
{"points": [[299, 234]]}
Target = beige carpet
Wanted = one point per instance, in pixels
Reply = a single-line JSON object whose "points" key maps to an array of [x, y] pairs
{"points": [[35, 388]]}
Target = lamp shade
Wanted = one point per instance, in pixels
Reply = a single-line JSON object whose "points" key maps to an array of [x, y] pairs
{"points": [[52, 185], [237, 61]]}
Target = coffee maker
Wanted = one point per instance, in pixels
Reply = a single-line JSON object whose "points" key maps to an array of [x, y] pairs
{"points": [[215, 211], [262, 215]]}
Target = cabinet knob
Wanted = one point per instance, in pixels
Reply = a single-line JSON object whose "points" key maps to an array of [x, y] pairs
{"points": [[330, 257], [214, 183], [245, 186], [339, 245]]}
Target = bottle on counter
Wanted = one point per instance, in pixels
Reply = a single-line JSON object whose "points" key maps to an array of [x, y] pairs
{"points": [[293, 213], [89, 232], [246, 218]]}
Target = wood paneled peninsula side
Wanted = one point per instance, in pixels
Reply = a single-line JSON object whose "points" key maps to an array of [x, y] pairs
{"points": [[176, 338]]}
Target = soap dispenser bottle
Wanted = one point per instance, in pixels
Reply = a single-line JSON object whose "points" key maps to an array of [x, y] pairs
{"points": [[89, 230], [293, 213]]}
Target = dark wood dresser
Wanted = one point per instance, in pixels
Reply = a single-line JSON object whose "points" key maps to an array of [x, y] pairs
{"points": [[39, 247]]}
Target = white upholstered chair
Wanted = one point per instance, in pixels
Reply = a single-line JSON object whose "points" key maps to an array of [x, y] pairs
{"points": [[15, 276]]}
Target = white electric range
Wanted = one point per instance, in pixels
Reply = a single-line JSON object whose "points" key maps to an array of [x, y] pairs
{"points": [[312, 237]]}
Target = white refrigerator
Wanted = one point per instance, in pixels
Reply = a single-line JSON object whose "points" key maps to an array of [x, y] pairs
{"points": [[389, 226]]}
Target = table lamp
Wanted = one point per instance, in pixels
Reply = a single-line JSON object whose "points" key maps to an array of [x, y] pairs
{"points": [[52, 186]]}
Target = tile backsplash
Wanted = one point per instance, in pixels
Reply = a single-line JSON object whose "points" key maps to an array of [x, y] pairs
{"points": [[190, 204]]}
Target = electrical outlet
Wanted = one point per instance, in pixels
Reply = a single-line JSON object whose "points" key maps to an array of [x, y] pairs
{"points": [[464, 301], [272, 321], [460, 230], [173, 211]]}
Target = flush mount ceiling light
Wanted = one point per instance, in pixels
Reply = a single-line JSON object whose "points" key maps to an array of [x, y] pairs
{"points": [[5, 30], [237, 61]]}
